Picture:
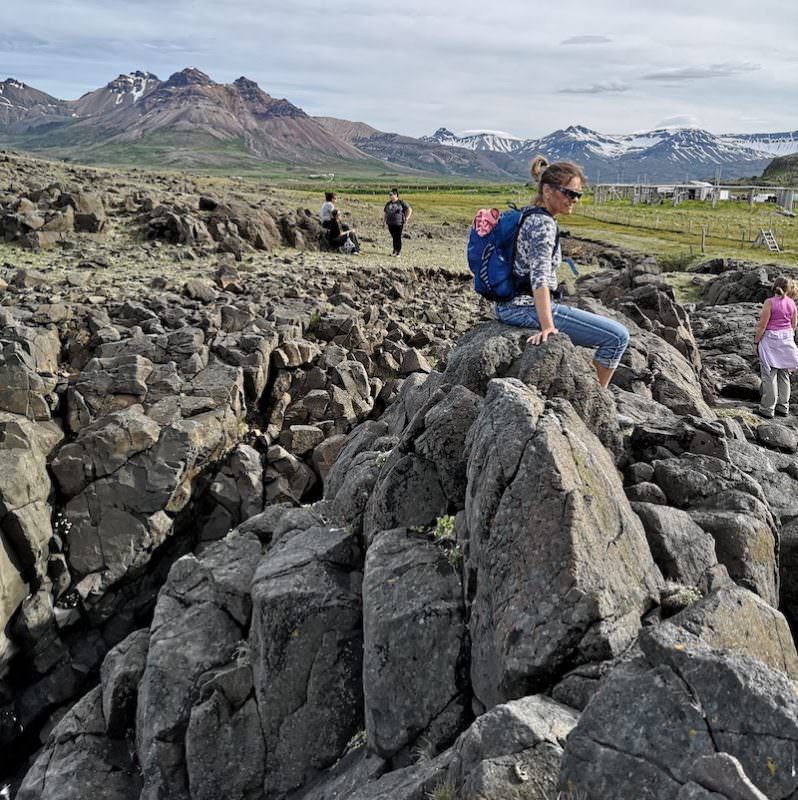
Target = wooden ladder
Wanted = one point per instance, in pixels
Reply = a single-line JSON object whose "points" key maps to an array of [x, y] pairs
{"points": [[767, 238]]}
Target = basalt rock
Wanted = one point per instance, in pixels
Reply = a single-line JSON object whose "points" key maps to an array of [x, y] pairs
{"points": [[540, 484], [306, 653], [690, 701], [417, 618], [512, 751]]}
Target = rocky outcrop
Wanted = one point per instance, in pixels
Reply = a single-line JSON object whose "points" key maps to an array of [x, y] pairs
{"points": [[457, 568], [681, 690], [544, 507], [200, 619], [732, 508]]}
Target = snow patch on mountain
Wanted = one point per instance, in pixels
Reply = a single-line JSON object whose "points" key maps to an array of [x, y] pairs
{"points": [[494, 141], [771, 144], [133, 85]]}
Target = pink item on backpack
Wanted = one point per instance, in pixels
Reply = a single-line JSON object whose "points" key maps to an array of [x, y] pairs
{"points": [[485, 220]]}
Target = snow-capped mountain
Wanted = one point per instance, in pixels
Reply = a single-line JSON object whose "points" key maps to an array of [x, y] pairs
{"points": [[25, 107], [493, 141], [121, 91], [662, 154]]}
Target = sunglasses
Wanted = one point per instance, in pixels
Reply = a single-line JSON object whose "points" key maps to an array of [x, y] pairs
{"points": [[571, 194]]}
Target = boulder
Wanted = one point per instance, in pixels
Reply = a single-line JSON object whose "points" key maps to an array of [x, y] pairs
{"points": [[25, 500], [79, 760], [677, 701], [681, 549], [732, 508], [561, 570], [512, 751], [732, 619], [22, 389], [225, 752], [306, 645], [557, 369], [202, 614], [413, 614], [119, 520], [120, 675]]}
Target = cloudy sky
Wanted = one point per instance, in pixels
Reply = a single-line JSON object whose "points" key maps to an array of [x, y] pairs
{"points": [[412, 66]]}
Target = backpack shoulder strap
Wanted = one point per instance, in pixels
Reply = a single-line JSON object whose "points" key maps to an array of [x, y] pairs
{"points": [[528, 211]]}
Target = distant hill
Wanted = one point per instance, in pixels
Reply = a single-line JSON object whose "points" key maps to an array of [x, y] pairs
{"points": [[422, 155], [782, 170]]}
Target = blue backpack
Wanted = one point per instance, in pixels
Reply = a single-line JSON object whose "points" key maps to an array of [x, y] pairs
{"points": [[491, 257]]}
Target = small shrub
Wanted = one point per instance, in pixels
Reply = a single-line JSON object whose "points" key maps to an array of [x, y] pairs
{"points": [[443, 534], [454, 555], [382, 458], [360, 739], [444, 528], [313, 323], [676, 262], [443, 791]]}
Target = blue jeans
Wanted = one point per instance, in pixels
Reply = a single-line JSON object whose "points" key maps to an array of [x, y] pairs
{"points": [[582, 327]]}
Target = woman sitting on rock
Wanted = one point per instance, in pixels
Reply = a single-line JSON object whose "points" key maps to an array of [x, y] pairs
{"points": [[340, 235], [536, 262]]}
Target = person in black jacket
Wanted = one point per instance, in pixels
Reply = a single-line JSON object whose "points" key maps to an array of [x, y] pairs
{"points": [[338, 234], [396, 215]]}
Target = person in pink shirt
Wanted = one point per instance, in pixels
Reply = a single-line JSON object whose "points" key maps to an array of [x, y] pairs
{"points": [[775, 346]]}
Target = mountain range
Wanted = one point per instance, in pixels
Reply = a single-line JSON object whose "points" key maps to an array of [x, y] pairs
{"points": [[189, 120], [662, 154]]}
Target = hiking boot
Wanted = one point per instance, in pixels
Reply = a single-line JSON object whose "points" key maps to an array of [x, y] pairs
{"points": [[782, 412], [764, 414]]}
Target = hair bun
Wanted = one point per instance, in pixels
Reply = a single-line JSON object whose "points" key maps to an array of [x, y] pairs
{"points": [[539, 164]]}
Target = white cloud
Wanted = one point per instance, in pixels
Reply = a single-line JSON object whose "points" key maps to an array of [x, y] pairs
{"points": [[597, 88], [700, 72], [587, 40], [680, 121]]}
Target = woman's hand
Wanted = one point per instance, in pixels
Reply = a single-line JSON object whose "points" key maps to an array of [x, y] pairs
{"points": [[541, 336]]}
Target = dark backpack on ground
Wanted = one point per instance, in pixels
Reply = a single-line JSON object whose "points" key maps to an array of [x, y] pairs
{"points": [[491, 257]]}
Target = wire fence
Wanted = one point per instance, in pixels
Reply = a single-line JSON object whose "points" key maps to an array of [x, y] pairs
{"points": [[695, 227]]}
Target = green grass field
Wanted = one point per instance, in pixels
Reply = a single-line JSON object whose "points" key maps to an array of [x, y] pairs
{"points": [[689, 232]]}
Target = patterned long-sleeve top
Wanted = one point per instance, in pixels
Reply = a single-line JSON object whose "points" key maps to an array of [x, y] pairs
{"points": [[538, 255]]}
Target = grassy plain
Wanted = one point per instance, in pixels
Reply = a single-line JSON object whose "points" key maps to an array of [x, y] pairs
{"points": [[679, 236]]}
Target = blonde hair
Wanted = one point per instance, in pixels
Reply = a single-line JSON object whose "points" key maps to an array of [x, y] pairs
{"points": [[785, 287], [557, 174]]}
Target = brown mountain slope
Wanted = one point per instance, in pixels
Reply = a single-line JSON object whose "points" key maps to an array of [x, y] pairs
{"points": [[190, 105], [347, 131], [23, 107], [417, 154], [122, 91]]}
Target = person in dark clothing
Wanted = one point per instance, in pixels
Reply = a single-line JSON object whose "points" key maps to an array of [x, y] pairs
{"points": [[338, 234], [327, 207], [396, 215]]}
